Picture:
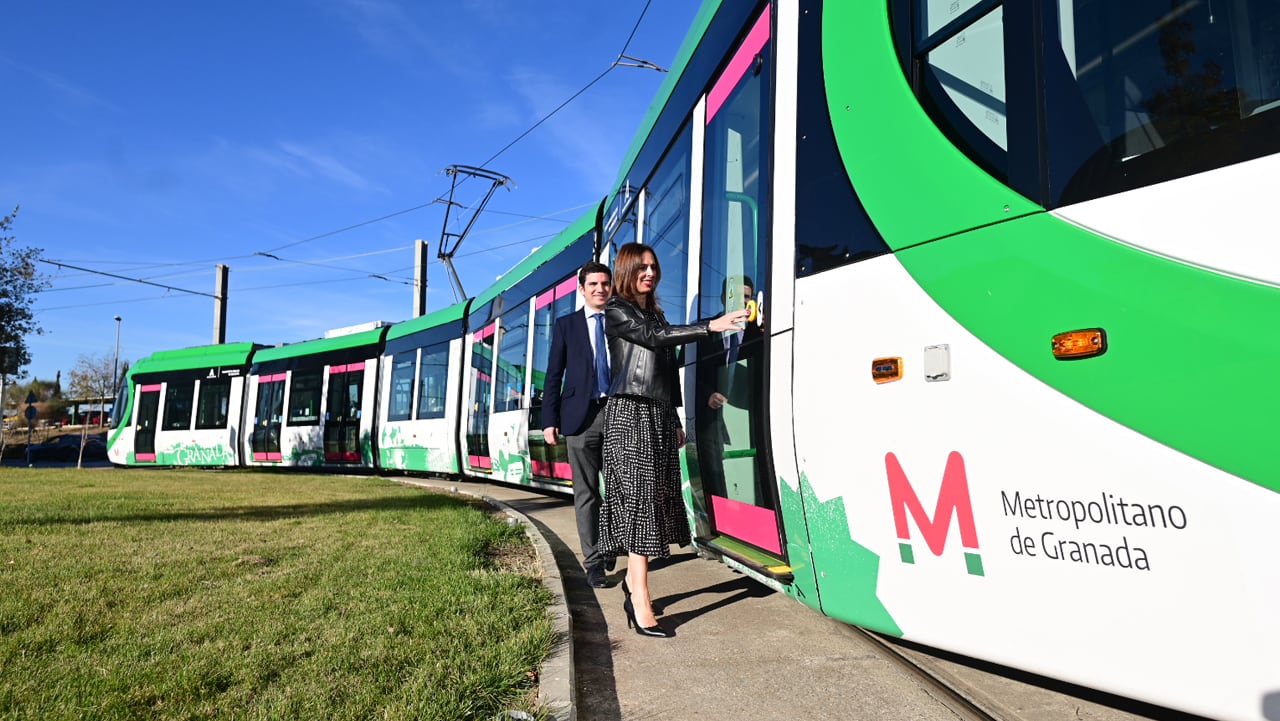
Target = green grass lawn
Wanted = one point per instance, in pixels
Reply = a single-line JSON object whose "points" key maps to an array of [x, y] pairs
{"points": [[173, 594]]}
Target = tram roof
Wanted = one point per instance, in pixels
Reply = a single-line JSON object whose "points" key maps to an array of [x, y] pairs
{"points": [[321, 345], [223, 354], [435, 318], [537, 258]]}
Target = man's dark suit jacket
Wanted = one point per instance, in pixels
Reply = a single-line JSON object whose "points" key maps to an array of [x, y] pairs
{"points": [[709, 378], [572, 362]]}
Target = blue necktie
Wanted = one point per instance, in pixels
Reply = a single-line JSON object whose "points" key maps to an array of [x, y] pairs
{"points": [[602, 358], [731, 357]]}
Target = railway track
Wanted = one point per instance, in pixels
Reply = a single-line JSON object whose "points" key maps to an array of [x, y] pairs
{"points": [[978, 691]]}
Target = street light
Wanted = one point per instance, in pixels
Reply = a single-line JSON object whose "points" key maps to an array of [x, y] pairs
{"points": [[115, 363]]}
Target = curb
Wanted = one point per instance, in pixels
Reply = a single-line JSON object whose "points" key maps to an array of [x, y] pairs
{"points": [[555, 677]]}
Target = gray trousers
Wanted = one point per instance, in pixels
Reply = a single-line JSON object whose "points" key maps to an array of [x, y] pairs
{"points": [[585, 460]]}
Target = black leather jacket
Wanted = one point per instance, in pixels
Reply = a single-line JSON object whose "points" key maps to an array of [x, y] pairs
{"points": [[642, 351]]}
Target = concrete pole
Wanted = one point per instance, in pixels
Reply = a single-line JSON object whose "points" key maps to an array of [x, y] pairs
{"points": [[420, 279], [220, 306], [115, 363]]}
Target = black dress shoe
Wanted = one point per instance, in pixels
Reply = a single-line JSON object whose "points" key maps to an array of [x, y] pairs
{"points": [[610, 563], [595, 576]]}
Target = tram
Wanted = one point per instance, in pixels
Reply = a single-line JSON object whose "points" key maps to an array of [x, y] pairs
{"points": [[1008, 396]]}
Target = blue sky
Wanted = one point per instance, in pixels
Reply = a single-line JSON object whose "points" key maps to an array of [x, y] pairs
{"points": [[154, 140]]}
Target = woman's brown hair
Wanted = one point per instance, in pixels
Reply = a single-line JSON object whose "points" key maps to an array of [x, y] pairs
{"points": [[626, 270]]}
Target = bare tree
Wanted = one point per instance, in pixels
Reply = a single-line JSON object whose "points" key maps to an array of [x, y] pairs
{"points": [[91, 378]]}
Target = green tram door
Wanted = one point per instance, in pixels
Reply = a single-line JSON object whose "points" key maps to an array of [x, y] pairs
{"points": [[734, 492]]}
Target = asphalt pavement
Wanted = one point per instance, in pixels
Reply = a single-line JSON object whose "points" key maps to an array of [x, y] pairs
{"points": [[741, 651]]}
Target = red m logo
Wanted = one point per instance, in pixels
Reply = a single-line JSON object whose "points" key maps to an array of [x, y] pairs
{"points": [[953, 498]]}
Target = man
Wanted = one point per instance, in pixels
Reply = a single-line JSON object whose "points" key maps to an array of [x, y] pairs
{"points": [[580, 358], [722, 381]]}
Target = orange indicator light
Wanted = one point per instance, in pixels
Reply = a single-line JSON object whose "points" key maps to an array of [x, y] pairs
{"points": [[886, 370], [1078, 344]]}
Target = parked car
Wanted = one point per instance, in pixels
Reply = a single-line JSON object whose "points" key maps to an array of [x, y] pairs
{"points": [[66, 447]]}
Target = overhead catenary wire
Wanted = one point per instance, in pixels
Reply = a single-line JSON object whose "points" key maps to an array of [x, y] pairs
{"points": [[124, 277], [621, 60], [385, 275]]}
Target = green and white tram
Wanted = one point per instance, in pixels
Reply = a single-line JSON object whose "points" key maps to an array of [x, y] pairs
{"points": [[181, 407], [1005, 388], [308, 403], [1007, 396]]}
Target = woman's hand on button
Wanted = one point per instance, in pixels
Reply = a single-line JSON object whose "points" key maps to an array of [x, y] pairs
{"points": [[729, 321]]}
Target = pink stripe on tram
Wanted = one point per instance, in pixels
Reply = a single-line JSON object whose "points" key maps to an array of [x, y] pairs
{"points": [[150, 388], [753, 524], [568, 287], [557, 469], [145, 457], [738, 67], [544, 300]]}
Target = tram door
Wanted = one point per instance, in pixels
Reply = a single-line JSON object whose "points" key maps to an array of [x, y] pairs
{"points": [[342, 415], [481, 376], [550, 463], [729, 404], [144, 434], [264, 441]]}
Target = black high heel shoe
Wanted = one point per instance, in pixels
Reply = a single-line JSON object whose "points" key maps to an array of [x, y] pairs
{"points": [[654, 631], [657, 610]]}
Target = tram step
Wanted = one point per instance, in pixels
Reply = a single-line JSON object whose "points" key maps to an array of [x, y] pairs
{"points": [[754, 559]]}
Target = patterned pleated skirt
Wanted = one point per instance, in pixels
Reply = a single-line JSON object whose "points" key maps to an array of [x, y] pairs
{"points": [[643, 511]]}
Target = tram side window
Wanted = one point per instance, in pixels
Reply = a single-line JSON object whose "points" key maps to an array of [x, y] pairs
{"points": [[666, 226], [402, 368], [965, 91], [433, 376], [937, 13], [177, 406], [213, 404], [513, 353], [1169, 92], [735, 211], [1131, 93], [304, 398], [620, 228]]}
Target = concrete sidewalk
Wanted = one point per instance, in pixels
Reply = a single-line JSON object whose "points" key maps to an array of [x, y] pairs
{"points": [[741, 650]]}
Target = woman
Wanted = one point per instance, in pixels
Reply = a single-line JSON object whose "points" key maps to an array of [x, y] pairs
{"points": [[643, 513]]}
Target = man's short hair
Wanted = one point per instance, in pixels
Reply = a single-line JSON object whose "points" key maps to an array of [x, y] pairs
{"points": [[592, 267]]}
